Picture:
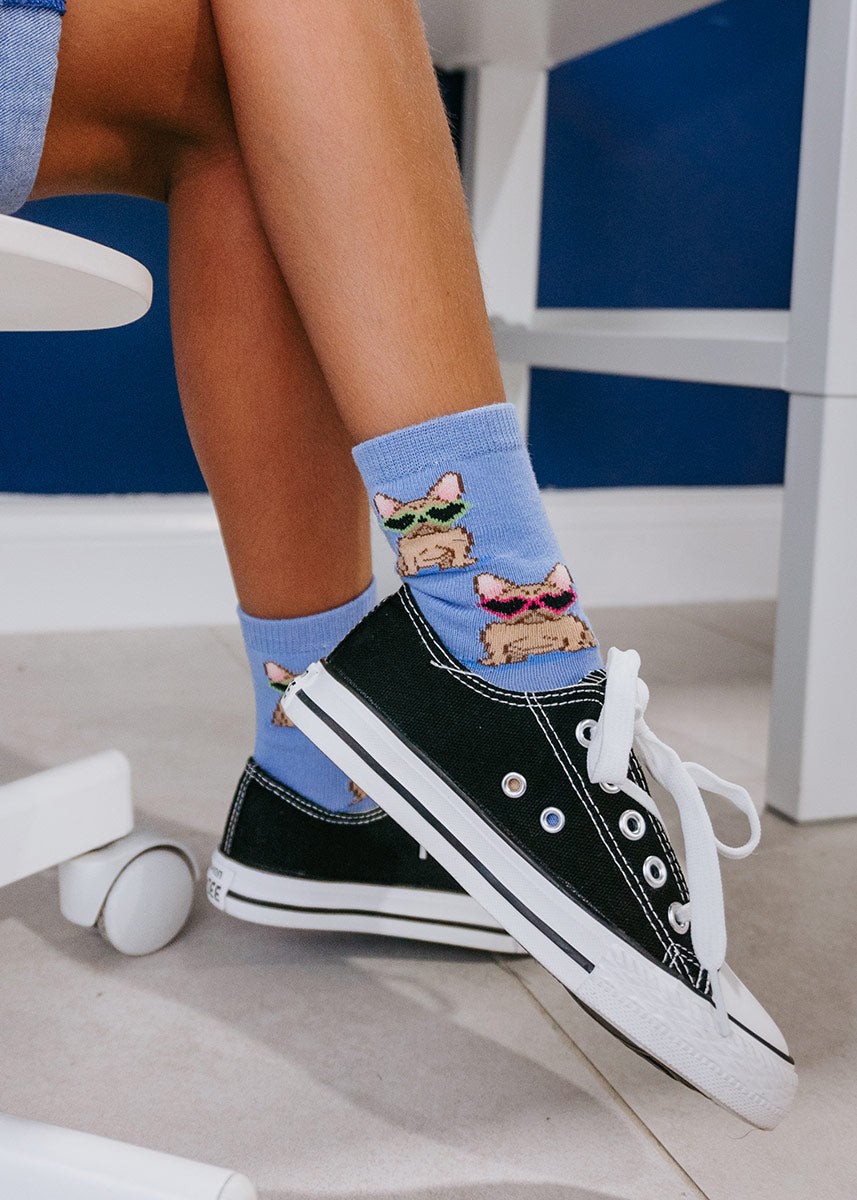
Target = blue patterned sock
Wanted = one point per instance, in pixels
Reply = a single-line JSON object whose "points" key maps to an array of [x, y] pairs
{"points": [[279, 650], [459, 503]]}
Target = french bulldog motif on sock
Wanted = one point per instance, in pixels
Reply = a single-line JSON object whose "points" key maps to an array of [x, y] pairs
{"points": [[279, 679], [534, 617], [428, 535], [356, 792]]}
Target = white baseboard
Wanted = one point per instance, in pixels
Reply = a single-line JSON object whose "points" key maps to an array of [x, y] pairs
{"points": [[640, 546], [119, 562]]}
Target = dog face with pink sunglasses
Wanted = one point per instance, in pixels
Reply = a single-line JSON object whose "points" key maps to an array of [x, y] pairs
{"points": [[534, 618]]}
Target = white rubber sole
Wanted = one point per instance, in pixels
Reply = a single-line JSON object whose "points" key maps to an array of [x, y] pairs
{"points": [[643, 1003], [265, 898]]}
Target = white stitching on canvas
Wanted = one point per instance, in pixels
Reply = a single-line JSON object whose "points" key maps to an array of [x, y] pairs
{"points": [[236, 809], [475, 682], [308, 807], [596, 816], [639, 778], [540, 701]]}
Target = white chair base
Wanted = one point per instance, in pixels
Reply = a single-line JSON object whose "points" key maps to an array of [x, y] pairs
{"points": [[45, 1162], [137, 888]]}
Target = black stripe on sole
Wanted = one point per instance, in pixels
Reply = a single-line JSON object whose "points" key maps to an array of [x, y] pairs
{"points": [[367, 912], [439, 827]]}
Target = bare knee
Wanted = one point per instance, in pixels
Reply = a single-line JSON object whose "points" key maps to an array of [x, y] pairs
{"points": [[140, 91]]}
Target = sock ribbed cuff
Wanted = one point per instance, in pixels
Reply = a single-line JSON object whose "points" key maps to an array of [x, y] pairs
{"points": [[474, 433], [317, 633]]}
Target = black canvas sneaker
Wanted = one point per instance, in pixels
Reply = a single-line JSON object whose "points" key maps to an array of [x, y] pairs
{"points": [[537, 805], [286, 861]]}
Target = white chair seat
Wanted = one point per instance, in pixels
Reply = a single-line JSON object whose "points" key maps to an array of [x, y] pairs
{"points": [[50, 280]]}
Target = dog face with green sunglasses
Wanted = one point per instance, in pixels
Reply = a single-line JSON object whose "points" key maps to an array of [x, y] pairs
{"points": [[426, 527]]}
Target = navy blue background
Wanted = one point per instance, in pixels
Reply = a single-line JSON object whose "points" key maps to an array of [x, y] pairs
{"points": [[670, 181]]}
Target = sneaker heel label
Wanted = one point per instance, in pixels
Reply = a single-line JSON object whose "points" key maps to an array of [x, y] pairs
{"points": [[217, 885]]}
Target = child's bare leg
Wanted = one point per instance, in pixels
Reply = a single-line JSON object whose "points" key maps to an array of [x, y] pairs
{"points": [[274, 453], [349, 154], [273, 450], [271, 445]]}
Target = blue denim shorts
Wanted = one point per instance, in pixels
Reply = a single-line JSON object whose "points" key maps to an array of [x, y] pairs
{"points": [[29, 39]]}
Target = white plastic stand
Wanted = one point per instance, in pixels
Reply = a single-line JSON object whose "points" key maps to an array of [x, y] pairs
{"points": [[506, 48], [44, 1162], [136, 887]]}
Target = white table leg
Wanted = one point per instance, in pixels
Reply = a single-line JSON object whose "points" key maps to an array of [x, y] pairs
{"points": [[503, 145], [814, 709]]}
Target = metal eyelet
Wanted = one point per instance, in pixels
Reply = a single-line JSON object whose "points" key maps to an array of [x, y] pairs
{"points": [[552, 820], [514, 784], [632, 824], [612, 788], [654, 871], [583, 733], [680, 924]]}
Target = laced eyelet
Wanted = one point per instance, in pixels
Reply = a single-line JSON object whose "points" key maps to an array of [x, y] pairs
{"points": [[583, 733], [654, 871], [679, 923], [552, 820], [612, 788], [632, 824], [514, 784]]}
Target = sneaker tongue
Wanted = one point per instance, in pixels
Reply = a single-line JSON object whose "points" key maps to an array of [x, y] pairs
{"points": [[613, 736]]}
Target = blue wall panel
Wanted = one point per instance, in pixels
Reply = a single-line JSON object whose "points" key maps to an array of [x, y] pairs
{"points": [[670, 181], [597, 431], [97, 412]]}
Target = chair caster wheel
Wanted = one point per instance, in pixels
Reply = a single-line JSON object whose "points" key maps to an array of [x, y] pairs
{"points": [[148, 903], [137, 891]]}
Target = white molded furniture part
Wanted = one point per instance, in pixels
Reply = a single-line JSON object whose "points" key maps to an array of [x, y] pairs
{"points": [[41, 1161], [55, 280], [810, 350], [62, 812], [138, 891], [466, 33], [136, 887]]}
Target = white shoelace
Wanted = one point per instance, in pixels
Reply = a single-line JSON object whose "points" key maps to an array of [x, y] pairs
{"points": [[620, 725]]}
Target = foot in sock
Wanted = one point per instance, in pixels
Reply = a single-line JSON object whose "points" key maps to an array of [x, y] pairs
{"points": [[304, 847], [521, 778], [278, 651], [459, 503]]}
